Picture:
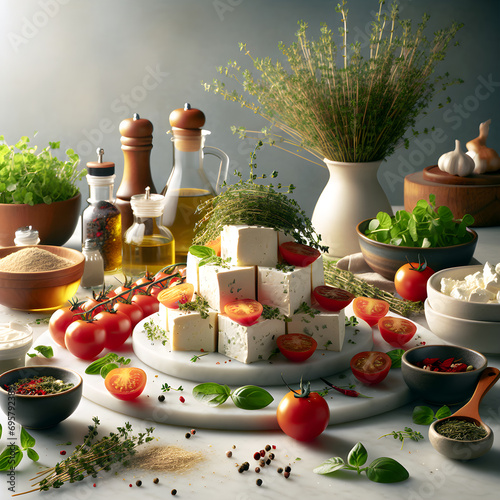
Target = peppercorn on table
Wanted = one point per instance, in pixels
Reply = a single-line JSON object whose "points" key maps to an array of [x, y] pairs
{"points": [[203, 463]]}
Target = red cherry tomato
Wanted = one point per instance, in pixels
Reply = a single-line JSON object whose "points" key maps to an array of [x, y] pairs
{"points": [[303, 418], [126, 383], [411, 281], [148, 303], [297, 254], [145, 281], [370, 367], [396, 331], [133, 311], [60, 320], [296, 347], [332, 299], [246, 312], [174, 295], [91, 303], [85, 339], [370, 310], [118, 327]]}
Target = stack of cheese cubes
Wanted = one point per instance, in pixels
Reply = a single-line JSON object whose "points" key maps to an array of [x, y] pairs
{"points": [[252, 274]]}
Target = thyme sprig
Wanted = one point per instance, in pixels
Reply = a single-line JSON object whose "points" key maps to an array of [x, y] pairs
{"points": [[92, 456], [348, 281], [247, 202], [408, 433]]}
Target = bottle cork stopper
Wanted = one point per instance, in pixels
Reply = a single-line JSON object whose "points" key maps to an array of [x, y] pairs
{"points": [[186, 128], [100, 168]]}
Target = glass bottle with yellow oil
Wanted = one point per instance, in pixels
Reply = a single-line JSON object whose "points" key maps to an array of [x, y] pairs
{"points": [[148, 245], [188, 185]]}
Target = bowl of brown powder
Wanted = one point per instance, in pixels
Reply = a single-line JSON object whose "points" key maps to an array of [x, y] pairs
{"points": [[39, 278]]}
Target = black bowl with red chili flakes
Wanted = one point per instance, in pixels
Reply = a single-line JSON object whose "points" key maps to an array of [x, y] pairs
{"points": [[38, 397], [442, 374]]}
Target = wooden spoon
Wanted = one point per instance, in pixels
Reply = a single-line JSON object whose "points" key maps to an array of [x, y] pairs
{"points": [[467, 450]]}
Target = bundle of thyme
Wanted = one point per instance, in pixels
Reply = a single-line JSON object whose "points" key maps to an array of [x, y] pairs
{"points": [[346, 280], [247, 202], [92, 456], [355, 111]]}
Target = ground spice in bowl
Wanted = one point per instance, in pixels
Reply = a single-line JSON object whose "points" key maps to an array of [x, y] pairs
{"points": [[462, 430], [33, 259]]}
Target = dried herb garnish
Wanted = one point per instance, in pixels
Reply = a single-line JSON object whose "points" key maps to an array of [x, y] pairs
{"points": [[38, 386], [463, 430], [199, 304]]}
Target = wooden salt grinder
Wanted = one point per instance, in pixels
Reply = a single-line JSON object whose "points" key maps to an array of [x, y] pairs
{"points": [[137, 143]]}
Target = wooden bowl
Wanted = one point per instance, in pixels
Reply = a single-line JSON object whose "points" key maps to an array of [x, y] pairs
{"points": [[43, 290], [55, 223], [386, 259]]}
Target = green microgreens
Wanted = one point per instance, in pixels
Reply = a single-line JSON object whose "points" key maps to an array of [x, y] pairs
{"points": [[196, 357], [43, 350], [167, 388]]}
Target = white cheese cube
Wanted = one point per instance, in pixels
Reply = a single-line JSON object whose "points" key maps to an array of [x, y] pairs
{"points": [[219, 285], [327, 328], [460, 292], [481, 295], [448, 284], [491, 279], [248, 344], [317, 273], [249, 245], [189, 331], [192, 271], [284, 290]]}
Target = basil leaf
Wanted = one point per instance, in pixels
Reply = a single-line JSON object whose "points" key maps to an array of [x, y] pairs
{"points": [[358, 455], [10, 457], [32, 454], [443, 412], [44, 350], [386, 470], [107, 368], [423, 415], [396, 355], [27, 440], [211, 393], [201, 251], [330, 465], [0, 430], [95, 367], [251, 397]]}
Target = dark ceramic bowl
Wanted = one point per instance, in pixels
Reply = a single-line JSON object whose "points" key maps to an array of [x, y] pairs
{"points": [[40, 412], [386, 259], [442, 388]]}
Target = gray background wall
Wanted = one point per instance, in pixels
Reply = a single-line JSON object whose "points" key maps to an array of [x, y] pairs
{"points": [[73, 69]]}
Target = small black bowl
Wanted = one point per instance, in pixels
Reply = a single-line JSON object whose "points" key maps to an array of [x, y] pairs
{"points": [[40, 412], [442, 388]]}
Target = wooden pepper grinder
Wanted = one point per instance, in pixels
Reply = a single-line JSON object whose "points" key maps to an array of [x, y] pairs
{"points": [[137, 143]]}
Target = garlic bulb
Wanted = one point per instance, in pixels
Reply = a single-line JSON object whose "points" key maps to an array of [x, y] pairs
{"points": [[456, 162], [485, 159]]}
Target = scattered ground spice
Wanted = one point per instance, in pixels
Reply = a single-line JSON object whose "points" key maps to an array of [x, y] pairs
{"points": [[33, 259], [166, 459]]}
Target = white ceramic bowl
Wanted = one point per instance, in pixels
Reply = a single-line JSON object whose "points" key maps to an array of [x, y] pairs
{"points": [[455, 307], [483, 336]]}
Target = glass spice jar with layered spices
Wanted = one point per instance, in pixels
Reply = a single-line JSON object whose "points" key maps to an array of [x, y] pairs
{"points": [[101, 220]]}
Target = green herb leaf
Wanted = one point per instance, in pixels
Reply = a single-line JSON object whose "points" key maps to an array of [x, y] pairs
{"points": [[358, 455], [0, 430], [44, 350], [32, 454], [10, 457], [107, 368], [95, 367], [201, 251], [330, 465], [27, 440], [443, 412], [396, 355], [423, 415], [386, 470], [251, 397], [211, 393]]}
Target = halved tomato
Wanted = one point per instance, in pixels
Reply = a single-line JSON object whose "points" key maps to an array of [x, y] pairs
{"points": [[332, 299], [297, 254], [246, 312], [126, 383], [370, 310], [396, 331], [296, 347], [370, 367], [174, 295]]}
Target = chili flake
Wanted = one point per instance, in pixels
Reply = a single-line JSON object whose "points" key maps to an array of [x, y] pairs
{"points": [[447, 365], [38, 386]]}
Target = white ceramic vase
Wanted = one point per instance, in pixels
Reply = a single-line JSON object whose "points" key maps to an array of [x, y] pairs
{"points": [[351, 195]]}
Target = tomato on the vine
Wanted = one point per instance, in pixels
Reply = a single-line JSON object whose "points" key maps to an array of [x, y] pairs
{"points": [[296, 347], [370, 310], [297, 254], [94, 302], [174, 295], [85, 339], [61, 319], [132, 310], [246, 312], [396, 331], [148, 303], [370, 367], [331, 298], [303, 416], [411, 279], [145, 281], [126, 383], [117, 325]]}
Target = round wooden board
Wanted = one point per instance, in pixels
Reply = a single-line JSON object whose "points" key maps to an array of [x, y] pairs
{"points": [[434, 174], [480, 201]]}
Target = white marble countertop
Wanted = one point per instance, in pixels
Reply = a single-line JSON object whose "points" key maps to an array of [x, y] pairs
{"points": [[216, 476]]}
